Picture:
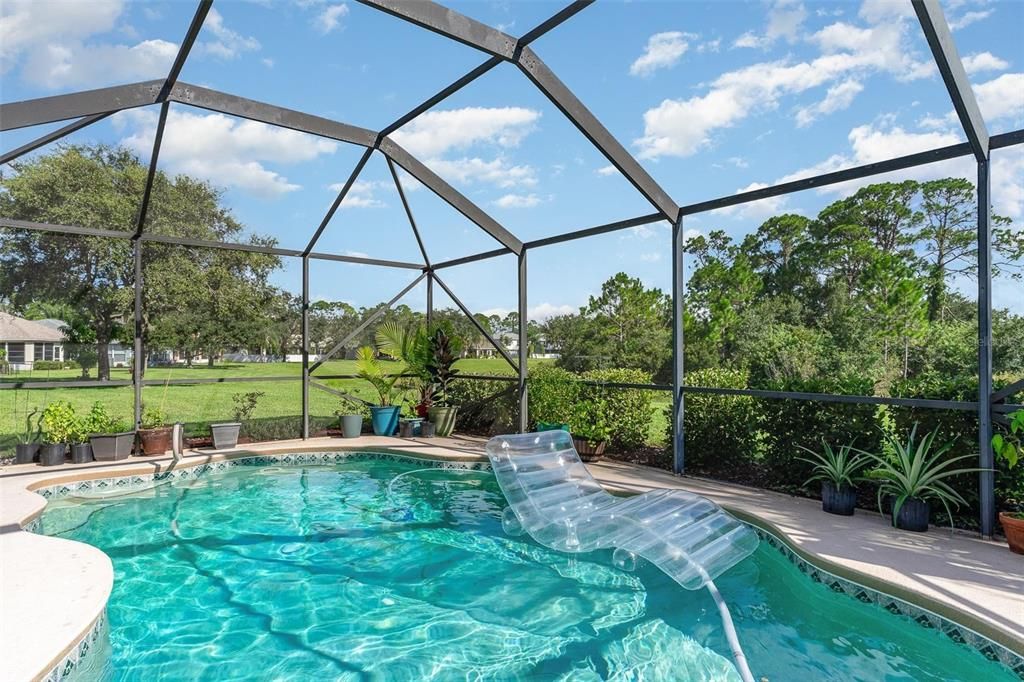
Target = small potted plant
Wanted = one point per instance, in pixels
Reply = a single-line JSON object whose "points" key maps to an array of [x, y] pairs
{"points": [[57, 427], [383, 415], [225, 436], [81, 450], [351, 425], [27, 449], [836, 471], [111, 439], [913, 475], [1008, 447], [444, 351], [589, 429], [155, 435]]}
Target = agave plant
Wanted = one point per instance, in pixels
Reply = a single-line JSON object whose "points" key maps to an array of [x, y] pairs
{"points": [[840, 467], [370, 368], [916, 469]]}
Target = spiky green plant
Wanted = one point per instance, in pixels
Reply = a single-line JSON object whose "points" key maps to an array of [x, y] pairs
{"points": [[916, 469], [371, 369], [840, 467]]}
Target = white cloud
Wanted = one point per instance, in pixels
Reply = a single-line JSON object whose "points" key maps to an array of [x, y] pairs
{"points": [[1002, 97], [498, 171], [652, 257], [226, 43], [223, 150], [545, 311], [682, 127], [268, 62], [607, 170], [361, 194], [518, 201], [438, 132], [61, 66], [330, 18], [28, 25], [968, 18], [838, 97], [662, 51], [784, 21], [984, 61]]}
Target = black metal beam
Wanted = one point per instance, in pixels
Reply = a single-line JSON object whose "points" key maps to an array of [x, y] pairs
{"points": [[213, 100], [186, 47], [453, 197], [408, 212], [524, 404], [943, 47], [476, 323], [138, 359], [147, 191], [337, 201], [1005, 392], [52, 137], [33, 112], [447, 22], [678, 370], [555, 20], [563, 98], [986, 460], [472, 259], [119, 383], [63, 229], [593, 231], [305, 347], [365, 323]]}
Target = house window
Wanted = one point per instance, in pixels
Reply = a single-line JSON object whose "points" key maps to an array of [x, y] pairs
{"points": [[43, 351], [16, 353]]}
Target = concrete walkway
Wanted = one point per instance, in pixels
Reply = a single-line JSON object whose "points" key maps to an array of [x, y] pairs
{"points": [[52, 590]]}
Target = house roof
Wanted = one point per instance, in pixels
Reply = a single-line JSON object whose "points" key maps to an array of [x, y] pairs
{"points": [[13, 328]]}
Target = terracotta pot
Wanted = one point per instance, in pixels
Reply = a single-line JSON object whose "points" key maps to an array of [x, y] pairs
{"points": [[1014, 529], [588, 450], [155, 441]]}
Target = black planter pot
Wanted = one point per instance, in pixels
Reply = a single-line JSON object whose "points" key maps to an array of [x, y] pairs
{"points": [[81, 453], [52, 454], [913, 515], [26, 453], [841, 501]]}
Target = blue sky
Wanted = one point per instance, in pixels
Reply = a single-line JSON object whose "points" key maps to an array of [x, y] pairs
{"points": [[712, 97]]}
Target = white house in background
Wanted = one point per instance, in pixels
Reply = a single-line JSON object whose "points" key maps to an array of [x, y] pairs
{"points": [[27, 341]]}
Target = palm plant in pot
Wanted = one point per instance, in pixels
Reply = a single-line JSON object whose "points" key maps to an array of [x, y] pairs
{"points": [[383, 415], [57, 427], [837, 471], [154, 434], [225, 435], [913, 474], [111, 439], [1008, 447]]}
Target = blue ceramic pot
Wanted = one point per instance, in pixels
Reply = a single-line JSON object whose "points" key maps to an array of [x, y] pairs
{"points": [[385, 420]]}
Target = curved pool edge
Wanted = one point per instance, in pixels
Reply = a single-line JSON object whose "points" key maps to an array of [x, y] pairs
{"points": [[86, 617]]}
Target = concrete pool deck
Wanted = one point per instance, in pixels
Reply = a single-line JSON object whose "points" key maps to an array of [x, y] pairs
{"points": [[52, 590]]}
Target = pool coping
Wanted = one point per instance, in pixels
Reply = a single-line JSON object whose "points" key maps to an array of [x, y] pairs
{"points": [[44, 484]]}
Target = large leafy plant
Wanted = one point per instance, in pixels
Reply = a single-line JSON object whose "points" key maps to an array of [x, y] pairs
{"points": [[840, 467], [58, 423], [1008, 446], [917, 469], [589, 421], [445, 348], [372, 370]]}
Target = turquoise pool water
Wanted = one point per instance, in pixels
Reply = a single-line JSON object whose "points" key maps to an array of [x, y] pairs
{"points": [[322, 572]]}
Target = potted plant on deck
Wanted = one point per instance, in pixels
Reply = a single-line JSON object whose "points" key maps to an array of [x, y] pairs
{"points": [[27, 449], [1008, 447], [154, 434], [589, 428], [57, 427], [111, 439], [837, 471], [553, 393], [444, 348], [81, 450], [383, 415], [225, 435], [913, 475]]}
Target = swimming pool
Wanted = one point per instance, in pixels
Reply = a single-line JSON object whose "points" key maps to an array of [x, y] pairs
{"points": [[345, 571]]}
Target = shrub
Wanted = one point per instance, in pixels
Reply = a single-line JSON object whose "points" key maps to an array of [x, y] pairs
{"points": [[58, 424], [485, 406], [720, 430], [552, 393], [789, 425], [43, 365], [626, 412]]}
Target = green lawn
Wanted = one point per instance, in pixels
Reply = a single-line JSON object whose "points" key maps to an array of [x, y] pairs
{"points": [[198, 405]]}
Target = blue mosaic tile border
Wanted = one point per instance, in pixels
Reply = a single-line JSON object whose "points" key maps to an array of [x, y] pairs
{"points": [[82, 657], [923, 617]]}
